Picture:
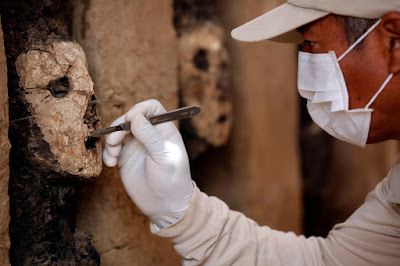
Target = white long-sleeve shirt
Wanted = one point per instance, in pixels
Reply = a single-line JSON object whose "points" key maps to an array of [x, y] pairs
{"points": [[211, 234]]}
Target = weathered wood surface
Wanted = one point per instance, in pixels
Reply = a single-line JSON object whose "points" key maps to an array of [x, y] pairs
{"points": [[4, 158], [50, 95], [204, 75]]}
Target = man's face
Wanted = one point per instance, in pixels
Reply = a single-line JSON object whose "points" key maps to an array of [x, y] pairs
{"points": [[364, 70]]}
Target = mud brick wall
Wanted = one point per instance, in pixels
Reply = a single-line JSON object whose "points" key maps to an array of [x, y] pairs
{"points": [[4, 158], [131, 48]]}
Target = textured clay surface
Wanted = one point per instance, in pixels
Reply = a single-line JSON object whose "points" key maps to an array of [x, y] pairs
{"points": [[204, 80], [4, 158], [59, 91]]}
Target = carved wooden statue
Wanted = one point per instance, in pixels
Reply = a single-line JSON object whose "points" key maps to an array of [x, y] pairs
{"points": [[204, 77], [52, 110]]}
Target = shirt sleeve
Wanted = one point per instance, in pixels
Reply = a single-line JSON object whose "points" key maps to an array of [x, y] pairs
{"points": [[211, 234]]}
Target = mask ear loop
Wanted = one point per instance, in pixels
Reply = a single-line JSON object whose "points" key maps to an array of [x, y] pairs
{"points": [[360, 39], [379, 91]]}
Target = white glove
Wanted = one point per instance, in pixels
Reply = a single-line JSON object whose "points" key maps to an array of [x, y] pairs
{"points": [[153, 164]]}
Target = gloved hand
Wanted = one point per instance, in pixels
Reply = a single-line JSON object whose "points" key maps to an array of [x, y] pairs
{"points": [[153, 164]]}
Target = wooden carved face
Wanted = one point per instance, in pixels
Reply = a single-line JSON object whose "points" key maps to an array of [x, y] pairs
{"points": [[60, 94], [204, 81]]}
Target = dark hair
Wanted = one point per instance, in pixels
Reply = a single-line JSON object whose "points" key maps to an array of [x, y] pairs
{"points": [[354, 28]]}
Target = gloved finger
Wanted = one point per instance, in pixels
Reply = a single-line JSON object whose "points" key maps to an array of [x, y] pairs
{"points": [[128, 138], [145, 133], [113, 151], [117, 137], [150, 108], [147, 108], [108, 160], [136, 151]]}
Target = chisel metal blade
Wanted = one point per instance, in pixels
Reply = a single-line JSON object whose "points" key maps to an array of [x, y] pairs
{"points": [[178, 114]]}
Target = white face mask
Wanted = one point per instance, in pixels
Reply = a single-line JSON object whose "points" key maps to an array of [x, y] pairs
{"points": [[321, 82]]}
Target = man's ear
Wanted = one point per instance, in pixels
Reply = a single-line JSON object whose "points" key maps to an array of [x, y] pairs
{"points": [[391, 29]]}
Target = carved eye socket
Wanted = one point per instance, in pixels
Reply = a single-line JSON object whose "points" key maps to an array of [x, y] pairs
{"points": [[59, 88], [200, 60]]}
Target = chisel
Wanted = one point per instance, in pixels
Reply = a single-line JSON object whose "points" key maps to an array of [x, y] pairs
{"points": [[178, 114]]}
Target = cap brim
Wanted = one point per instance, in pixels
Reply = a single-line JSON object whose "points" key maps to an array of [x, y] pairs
{"points": [[279, 24]]}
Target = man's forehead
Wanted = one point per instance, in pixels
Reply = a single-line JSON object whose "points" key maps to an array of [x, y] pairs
{"points": [[321, 27]]}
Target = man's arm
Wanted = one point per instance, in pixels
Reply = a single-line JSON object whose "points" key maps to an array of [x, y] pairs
{"points": [[211, 234], [155, 171]]}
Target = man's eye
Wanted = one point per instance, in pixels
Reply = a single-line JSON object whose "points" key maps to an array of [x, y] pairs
{"points": [[309, 43], [307, 46]]}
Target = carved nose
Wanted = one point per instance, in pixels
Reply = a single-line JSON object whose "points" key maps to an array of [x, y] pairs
{"points": [[91, 118]]}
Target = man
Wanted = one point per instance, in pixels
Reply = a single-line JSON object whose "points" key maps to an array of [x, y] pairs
{"points": [[349, 72]]}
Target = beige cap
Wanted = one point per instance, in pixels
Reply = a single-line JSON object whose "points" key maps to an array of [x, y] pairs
{"points": [[280, 24]]}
